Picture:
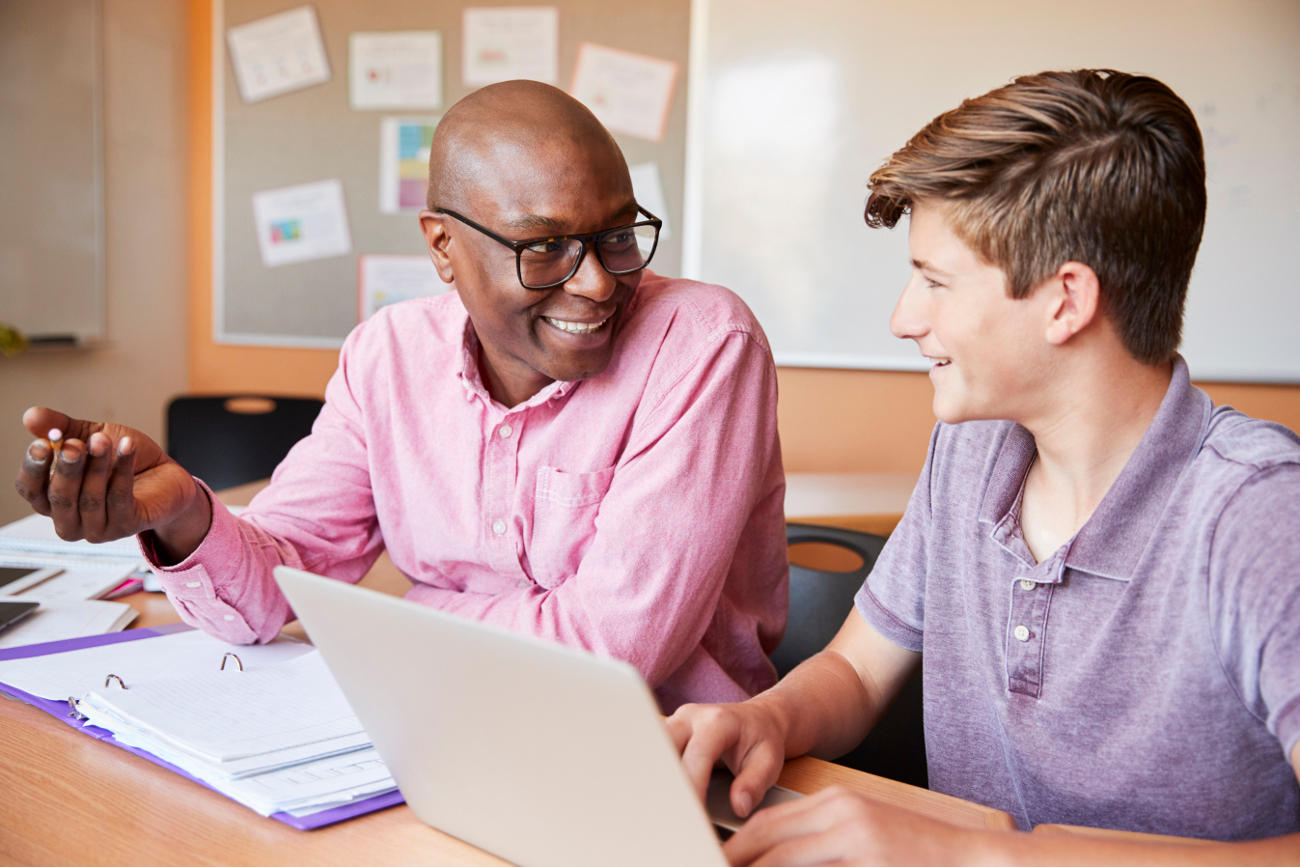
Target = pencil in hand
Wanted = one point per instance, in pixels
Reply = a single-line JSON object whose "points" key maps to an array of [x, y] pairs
{"points": [[55, 439]]}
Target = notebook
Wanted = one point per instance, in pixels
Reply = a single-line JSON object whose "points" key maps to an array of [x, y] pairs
{"points": [[536, 752]]}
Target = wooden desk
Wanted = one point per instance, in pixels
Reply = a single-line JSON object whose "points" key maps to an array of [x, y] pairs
{"points": [[69, 797], [1123, 836]]}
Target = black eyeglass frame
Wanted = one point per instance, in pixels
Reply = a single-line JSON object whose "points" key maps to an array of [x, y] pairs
{"points": [[585, 237]]}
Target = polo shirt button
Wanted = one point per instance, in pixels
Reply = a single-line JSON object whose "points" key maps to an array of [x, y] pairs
{"points": [[499, 527], [193, 584], [505, 431], [523, 582], [1021, 633], [228, 617], [1026, 584]]}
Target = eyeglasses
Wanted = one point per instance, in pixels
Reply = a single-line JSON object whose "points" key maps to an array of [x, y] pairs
{"points": [[544, 263]]}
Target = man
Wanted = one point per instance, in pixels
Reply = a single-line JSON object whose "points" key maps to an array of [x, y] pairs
{"points": [[1097, 563], [566, 445]]}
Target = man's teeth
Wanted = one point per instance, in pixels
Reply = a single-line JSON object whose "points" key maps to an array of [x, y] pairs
{"points": [[575, 327], [939, 362]]}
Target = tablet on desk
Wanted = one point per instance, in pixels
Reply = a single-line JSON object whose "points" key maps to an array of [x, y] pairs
{"points": [[13, 610], [17, 579]]}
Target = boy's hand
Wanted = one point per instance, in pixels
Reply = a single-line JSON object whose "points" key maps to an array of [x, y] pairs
{"points": [[749, 737], [838, 826]]}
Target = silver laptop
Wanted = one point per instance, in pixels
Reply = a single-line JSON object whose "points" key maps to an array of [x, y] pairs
{"points": [[536, 752]]}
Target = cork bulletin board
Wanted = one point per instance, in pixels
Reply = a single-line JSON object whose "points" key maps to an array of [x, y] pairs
{"points": [[314, 134]]}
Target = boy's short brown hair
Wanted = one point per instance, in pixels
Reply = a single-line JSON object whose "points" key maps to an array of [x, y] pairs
{"points": [[1092, 166]]}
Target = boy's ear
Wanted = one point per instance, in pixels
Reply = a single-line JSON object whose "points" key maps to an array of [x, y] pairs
{"points": [[1076, 296], [433, 225]]}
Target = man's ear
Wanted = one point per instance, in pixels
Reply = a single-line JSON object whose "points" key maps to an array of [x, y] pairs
{"points": [[1076, 296], [436, 239]]}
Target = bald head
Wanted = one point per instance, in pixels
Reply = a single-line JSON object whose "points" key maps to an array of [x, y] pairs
{"points": [[518, 126]]}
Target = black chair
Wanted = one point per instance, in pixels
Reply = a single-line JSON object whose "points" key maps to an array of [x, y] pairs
{"points": [[228, 440], [820, 600]]}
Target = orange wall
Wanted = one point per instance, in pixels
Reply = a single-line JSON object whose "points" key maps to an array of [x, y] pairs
{"points": [[831, 420]]}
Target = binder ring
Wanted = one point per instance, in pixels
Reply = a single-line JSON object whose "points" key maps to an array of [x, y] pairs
{"points": [[73, 712], [114, 677], [233, 656]]}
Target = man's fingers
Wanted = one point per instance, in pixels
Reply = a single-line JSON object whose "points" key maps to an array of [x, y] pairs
{"points": [[65, 489], [120, 491], [40, 419], [33, 478], [91, 502]]}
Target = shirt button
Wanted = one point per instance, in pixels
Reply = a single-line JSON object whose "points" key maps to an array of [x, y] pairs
{"points": [[523, 582], [193, 584], [505, 431], [229, 617], [1026, 584], [1021, 633], [499, 527]]}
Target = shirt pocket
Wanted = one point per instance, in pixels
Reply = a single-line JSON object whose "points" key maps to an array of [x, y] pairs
{"points": [[564, 521]]}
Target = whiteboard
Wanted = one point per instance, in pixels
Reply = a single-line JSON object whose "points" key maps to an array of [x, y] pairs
{"points": [[51, 177], [793, 105]]}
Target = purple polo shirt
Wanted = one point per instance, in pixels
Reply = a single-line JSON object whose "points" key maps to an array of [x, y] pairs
{"points": [[1146, 676]]}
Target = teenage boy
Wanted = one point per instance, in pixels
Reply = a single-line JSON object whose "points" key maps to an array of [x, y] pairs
{"points": [[1097, 569]]}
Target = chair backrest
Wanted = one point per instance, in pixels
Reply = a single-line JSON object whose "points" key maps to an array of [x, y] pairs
{"points": [[820, 600], [228, 440]]}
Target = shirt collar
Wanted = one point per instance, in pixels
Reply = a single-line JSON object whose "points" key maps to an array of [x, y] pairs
{"points": [[471, 377], [1120, 529]]}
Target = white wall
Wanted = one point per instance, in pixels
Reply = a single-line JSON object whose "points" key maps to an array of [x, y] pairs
{"points": [[143, 360], [793, 105]]}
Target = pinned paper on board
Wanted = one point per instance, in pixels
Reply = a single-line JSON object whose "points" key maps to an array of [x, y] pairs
{"points": [[404, 163], [385, 279], [300, 223], [395, 70], [629, 92], [648, 188], [277, 54], [510, 42]]}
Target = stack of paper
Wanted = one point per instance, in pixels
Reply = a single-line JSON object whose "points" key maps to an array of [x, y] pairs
{"points": [[33, 541], [59, 620], [69, 580], [277, 736]]}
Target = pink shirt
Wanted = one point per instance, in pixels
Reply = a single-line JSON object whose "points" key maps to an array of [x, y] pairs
{"points": [[637, 514]]}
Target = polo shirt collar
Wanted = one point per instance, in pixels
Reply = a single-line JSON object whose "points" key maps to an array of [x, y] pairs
{"points": [[1120, 529]]}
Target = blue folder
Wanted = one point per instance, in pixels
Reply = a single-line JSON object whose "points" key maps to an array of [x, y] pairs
{"points": [[60, 711]]}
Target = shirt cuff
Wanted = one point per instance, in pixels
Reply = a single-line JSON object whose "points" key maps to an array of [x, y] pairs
{"points": [[884, 621], [190, 586]]}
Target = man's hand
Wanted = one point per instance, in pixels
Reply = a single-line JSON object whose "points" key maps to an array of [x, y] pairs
{"points": [[838, 826], [749, 737], [109, 481]]}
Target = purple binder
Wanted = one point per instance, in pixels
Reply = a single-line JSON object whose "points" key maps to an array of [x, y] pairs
{"points": [[59, 710]]}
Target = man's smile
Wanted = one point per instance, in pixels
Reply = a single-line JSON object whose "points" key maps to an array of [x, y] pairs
{"points": [[575, 327]]}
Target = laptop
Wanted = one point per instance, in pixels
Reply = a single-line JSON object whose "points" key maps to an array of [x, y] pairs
{"points": [[536, 752]]}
